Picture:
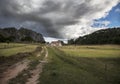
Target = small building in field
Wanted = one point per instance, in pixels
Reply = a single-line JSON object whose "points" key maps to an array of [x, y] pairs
{"points": [[56, 43]]}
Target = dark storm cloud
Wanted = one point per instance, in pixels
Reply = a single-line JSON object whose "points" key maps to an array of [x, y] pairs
{"points": [[53, 17]]}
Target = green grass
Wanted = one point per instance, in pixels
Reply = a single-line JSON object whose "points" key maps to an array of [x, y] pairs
{"points": [[10, 56], [20, 48], [96, 64], [11, 45], [70, 68], [93, 51]]}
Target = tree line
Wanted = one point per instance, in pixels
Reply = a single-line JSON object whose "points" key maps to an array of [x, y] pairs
{"points": [[104, 36]]}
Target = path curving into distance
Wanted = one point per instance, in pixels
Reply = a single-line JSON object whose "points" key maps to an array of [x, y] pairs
{"points": [[36, 72]]}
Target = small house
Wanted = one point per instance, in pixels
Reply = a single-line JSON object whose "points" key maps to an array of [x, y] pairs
{"points": [[56, 43]]}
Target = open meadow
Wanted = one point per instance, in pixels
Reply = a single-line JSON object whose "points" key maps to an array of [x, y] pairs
{"points": [[14, 48], [40, 64], [98, 64], [97, 51]]}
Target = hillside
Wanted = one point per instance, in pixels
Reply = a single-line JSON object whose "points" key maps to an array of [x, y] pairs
{"points": [[21, 35], [104, 36]]}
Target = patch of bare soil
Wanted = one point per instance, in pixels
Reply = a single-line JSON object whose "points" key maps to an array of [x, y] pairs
{"points": [[38, 70], [46, 55], [13, 71], [35, 75], [8, 61]]}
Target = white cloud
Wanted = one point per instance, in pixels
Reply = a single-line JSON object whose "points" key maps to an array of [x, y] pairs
{"points": [[57, 18], [102, 24]]}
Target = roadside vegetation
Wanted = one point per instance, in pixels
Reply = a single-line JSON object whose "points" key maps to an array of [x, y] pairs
{"points": [[13, 53], [82, 65], [12, 49], [23, 77], [15, 56]]}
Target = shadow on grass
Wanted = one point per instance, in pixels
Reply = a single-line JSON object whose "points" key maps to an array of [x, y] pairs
{"points": [[65, 69]]}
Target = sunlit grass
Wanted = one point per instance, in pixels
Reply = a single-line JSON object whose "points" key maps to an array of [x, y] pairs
{"points": [[11, 45], [17, 48], [93, 51], [72, 68]]}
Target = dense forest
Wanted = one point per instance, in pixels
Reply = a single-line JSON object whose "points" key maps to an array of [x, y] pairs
{"points": [[104, 36]]}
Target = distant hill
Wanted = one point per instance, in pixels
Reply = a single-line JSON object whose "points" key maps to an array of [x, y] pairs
{"points": [[104, 36], [21, 35]]}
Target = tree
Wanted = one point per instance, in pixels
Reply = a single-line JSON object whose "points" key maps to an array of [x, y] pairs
{"points": [[105, 36], [71, 41], [29, 39]]}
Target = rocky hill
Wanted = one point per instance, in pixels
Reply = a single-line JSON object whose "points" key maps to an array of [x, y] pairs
{"points": [[22, 35], [104, 36]]}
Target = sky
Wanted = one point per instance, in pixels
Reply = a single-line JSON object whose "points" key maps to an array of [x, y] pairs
{"points": [[112, 19], [60, 19]]}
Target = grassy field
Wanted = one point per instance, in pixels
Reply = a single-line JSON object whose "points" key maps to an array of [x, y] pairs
{"points": [[10, 45], [96, 64], [93, 51], [14, 52], [14, 48], [82, 65]]}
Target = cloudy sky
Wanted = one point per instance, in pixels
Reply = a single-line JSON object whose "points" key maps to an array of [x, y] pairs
{"points": [[62, 19]]}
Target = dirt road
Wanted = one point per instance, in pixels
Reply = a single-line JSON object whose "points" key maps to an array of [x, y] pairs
{"points": [[14, 70], [36, 72]]}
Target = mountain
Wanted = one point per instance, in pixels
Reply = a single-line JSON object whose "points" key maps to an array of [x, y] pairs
{"points": [[104, 36], [22, 35]]}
